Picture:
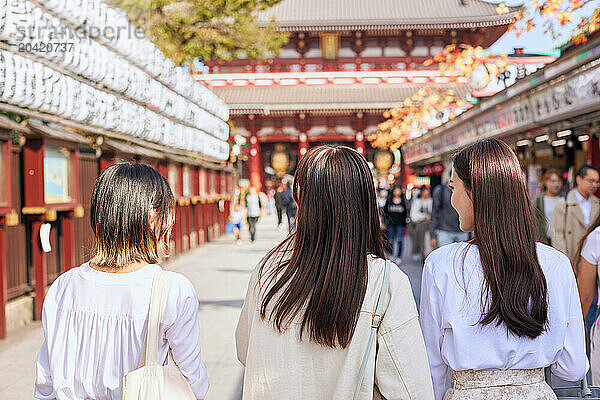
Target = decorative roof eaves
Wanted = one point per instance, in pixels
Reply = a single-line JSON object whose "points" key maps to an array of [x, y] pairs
{"points": [[386, 26]]}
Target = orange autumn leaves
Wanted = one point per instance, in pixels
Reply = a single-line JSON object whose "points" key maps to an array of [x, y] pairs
{"points": [[556, 13], [414, 114], [418, 112]]}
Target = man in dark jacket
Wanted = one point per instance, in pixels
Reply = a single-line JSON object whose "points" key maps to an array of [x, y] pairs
{"points": [[444, 227], [287, 200], [279, 204]]}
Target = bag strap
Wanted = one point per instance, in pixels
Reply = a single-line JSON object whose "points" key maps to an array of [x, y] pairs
{"points": [[158, 299], [375, 322]]}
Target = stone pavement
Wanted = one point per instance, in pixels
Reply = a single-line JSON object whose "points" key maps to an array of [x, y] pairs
{"points": [[219, 270]]}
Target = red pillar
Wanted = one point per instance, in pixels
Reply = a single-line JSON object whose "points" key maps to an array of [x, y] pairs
{"points": [[3, 283], [106, 160], [302, 144], [40, 267], [359, 143], [255, 167], [68, 241]]}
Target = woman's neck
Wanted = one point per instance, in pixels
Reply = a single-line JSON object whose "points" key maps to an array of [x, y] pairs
{"points": [[132, 267]]}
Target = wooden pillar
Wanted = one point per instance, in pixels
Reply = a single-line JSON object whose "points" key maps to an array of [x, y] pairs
{"points": [[255, 164], [3, 282], [39, 266], [303, 137], [68, 241]]}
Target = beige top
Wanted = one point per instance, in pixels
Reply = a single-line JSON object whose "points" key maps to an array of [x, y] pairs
{"points": [[280, 366]]}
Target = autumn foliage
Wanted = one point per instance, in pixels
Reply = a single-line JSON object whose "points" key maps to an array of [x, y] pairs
{"points": [[413, 116]]}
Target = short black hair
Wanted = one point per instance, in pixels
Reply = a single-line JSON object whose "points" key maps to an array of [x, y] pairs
{"points": [[121, 219], [582, 172]]}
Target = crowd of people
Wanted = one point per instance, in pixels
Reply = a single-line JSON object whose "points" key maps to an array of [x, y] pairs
{"points": [[249, 206], [327, 314]]}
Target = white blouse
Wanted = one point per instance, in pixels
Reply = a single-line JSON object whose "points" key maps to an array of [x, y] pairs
{"points": [[591, 248], [95, 325], [451, 309]]}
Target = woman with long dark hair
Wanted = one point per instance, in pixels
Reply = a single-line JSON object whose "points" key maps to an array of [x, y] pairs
{"points": [[304, 329], [500, 308], [587, 281]]}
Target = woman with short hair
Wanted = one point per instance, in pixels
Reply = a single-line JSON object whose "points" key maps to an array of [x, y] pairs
{"points": [[498, 309], [305, 326], [95, 316]]}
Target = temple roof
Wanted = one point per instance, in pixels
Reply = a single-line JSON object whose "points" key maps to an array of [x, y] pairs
{"points": [[316, 15], [243, 100]]}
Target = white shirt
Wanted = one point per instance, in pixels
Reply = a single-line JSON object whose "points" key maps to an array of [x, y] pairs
{"points": [[586, 206], [281, 366], [253, 205], [451, 309], [591, 249], [420, 208], [95, 325], [549, 204]]}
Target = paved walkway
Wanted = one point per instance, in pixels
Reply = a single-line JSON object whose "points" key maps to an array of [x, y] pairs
{"points": [[219, 271]]}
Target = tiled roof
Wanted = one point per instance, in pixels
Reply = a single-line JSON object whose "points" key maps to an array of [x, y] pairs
{"points": [[384, 14], [324, 97]]}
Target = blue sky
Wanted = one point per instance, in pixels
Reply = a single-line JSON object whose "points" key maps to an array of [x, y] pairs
{"points": [[536, 40]]}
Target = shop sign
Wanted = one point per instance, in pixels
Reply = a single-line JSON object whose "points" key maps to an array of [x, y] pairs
{"points": [[570, 95]]}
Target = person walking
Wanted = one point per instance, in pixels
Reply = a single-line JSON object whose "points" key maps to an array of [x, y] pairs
{"points": [[270, 200], [444, 227], [253, 211], [308, 315], [287, 198], [420, 215], [94, 316], [572, 217], [395, 214], [237, 215], [546, 202], [499, 309], [279, 205], [587, 281]]}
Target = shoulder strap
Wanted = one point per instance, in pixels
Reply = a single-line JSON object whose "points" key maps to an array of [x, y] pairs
{"points": [[158, 299], [375, 322]]}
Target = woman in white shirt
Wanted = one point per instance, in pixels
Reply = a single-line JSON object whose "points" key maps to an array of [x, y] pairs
{"points": [[95, 316], [499, 309], [587, 279], [306, 321], [420, 215]]}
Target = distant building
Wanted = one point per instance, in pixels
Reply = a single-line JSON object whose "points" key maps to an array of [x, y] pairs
{"points": [[346, 62]]}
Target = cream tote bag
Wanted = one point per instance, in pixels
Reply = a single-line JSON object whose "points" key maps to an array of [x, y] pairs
{"points": [[152, 381]]}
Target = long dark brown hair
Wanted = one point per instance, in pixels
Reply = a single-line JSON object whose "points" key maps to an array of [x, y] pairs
{"points": [[515, 289], [319, 272]]}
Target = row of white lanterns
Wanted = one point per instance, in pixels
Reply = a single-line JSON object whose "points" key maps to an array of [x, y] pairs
{"points": [[33, 31], [111, 28], [30, 84]]}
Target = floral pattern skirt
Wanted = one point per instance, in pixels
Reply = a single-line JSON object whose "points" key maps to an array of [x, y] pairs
{"points": [[512, 384]]}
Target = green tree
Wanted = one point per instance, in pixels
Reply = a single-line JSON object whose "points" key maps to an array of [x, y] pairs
{"points": [[208, 29]]}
